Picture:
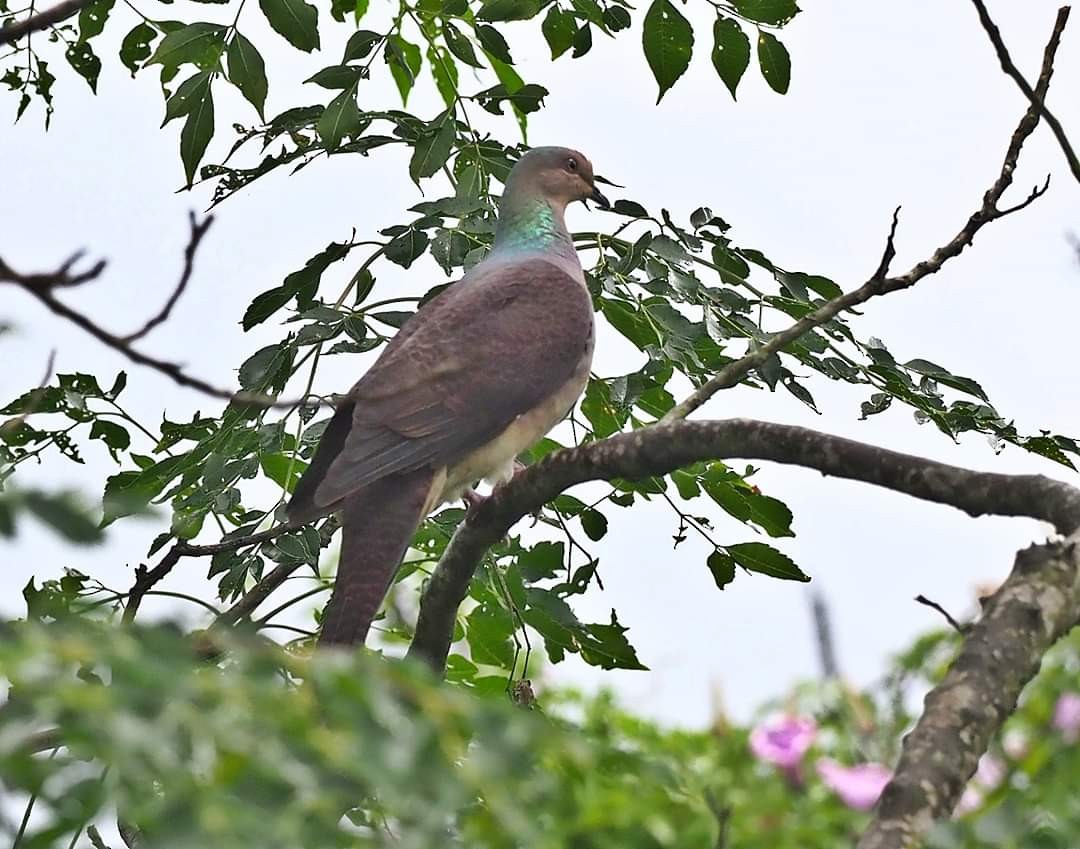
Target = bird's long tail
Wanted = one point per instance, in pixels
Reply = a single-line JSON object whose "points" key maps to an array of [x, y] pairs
{"points": [[377, 525]]}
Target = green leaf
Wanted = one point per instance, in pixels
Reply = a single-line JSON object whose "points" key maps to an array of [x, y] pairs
{"points": [[187, 96], [404, 60], [406, 247], [488, 629], [112, 434], [582, 41], [444, 70], [594, 523], [731, 52], [509, 10], [340, 118], [83, 59], [722, 567], [460, 45], [296, 20], [340, 8], [543, 560], [766, 560], [433, 150], [64, 514], [258, 369], [943, 376], [775, 12], [336, 77], [247, 71], [360, 44], [283, 470], [136, 46], [668, 41], [198, 44], [92, 18], [198, 128], [302, 285], [608, 648], [558, 28], [494, 44], [774, 61]]}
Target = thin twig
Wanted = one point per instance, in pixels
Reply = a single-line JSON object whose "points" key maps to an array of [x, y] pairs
{"points": [[146, 579], [959, 627], [198, 230], [879, 284], [1037, 100], [43, 285]]}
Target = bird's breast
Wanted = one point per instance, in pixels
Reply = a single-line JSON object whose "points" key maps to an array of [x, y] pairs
{"points": [[494, 461]]}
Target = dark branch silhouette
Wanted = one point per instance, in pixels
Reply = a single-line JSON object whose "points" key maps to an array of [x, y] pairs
{"points": [[43, 286], [1037, 99], [43, 20]]}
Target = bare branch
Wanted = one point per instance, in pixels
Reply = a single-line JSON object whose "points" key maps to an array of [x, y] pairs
{"points": [[146, 579], [662, 448], [959, 627], [879, 284], [198, 230], [1037, 99], [1037, 604], [44, 20], [42, 286]]}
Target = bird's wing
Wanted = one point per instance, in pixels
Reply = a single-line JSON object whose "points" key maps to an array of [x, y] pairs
{"points": [[473, 361]]}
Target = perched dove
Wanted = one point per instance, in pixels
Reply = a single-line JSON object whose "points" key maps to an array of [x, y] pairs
{"points": [[480, 373]]}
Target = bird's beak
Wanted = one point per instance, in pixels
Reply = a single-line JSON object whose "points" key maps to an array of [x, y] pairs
{"points": [[598, 198]]}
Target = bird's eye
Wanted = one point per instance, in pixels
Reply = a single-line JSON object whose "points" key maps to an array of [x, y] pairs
{"points": [[571, 164]]}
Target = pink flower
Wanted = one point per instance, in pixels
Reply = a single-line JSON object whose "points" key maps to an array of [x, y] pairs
{"points": [[988, 775], [783, 740], [858, 786], [989, 772], [971, 801], [1015, 744], [1067, 716]]}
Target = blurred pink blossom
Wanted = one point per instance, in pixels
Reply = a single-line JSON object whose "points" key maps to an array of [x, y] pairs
{"points": [[971, 801], [988, 775], [1015, 744], [989, 772], [858, 786], [783, 739], [1067, 716]]}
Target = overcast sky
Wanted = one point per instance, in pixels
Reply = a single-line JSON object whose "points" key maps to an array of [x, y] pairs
{"points": [[890, 104]]}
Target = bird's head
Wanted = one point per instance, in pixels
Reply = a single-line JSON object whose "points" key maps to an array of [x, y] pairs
{"points": [[559, 174]]}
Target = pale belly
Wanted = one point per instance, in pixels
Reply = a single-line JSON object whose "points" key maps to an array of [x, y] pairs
{"points": [[494, 462]]}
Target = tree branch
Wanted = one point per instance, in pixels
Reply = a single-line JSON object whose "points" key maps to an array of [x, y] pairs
{"points": [[198, 230], [1037, 100], [1037, 604], [36, 23], [879, 283], [662, 448], [43, 285], [147, 579]]}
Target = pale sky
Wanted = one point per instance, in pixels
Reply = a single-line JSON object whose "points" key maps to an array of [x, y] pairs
{"points": [[892, 104]]}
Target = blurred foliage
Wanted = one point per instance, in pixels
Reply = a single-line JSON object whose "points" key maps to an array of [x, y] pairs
{"points": [[266, 747]]}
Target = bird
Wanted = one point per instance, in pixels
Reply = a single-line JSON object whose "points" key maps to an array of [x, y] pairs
{"points": [[477, 375]]}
